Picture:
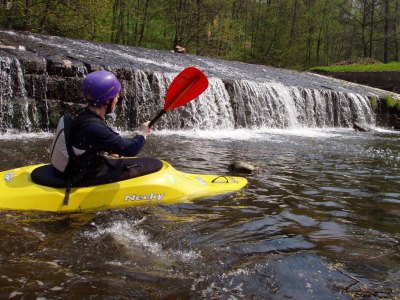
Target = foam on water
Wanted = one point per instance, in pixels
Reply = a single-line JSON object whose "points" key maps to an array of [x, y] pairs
{"points": [[137, 242], [251, 134], [386, 130], [15, 135]]}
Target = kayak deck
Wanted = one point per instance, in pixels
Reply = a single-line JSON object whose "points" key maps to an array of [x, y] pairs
{"points": [[18, 192]]}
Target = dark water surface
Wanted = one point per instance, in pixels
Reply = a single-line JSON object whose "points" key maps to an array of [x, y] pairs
{"points": [[323, 215]]}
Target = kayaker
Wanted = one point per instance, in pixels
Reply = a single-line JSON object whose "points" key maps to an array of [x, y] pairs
{"points": [[90, 136]]}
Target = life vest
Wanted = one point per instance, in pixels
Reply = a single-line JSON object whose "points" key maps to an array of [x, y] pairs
{"points": [[60, 151], [62, 156]]}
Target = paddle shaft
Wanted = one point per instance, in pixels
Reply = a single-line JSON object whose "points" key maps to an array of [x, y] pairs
{"points": [[156, 118]]}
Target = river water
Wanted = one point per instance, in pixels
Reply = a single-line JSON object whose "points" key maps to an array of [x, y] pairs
{"points": [[320, 221]]}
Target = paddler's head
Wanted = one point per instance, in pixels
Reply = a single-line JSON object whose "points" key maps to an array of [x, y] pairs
{"points": [[101, 88]]}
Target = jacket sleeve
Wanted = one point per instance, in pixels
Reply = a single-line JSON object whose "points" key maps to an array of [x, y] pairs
{"points": [[96, 136]]}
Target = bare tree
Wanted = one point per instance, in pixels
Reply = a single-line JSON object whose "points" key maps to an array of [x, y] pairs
{"points": [[386, 33]]}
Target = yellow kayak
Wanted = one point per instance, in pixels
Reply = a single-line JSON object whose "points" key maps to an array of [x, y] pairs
{"points": [[19, 192]]}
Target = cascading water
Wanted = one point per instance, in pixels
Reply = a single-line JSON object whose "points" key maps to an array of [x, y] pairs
{"points": [[211, 110], [239, 95], [13, 96]]}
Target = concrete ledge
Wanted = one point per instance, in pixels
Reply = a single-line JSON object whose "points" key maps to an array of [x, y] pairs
{"points": [[387, 80]]}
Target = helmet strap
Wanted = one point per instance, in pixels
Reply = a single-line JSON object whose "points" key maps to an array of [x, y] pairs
{"points": [[109, 108]]}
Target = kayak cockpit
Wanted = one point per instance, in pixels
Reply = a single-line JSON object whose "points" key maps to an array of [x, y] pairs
{"points": [[47, 175]]}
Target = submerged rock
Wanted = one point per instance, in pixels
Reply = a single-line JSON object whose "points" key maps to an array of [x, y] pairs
{"points": [[361, 127], [240, 166]]}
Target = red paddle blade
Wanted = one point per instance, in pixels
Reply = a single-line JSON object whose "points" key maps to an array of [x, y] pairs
{"points": [[189, 84]]}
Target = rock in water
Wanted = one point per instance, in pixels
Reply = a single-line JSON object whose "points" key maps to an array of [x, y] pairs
{"points": [[240, 166], [361, 127]]}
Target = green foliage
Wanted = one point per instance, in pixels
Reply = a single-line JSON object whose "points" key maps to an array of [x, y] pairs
{"points": [[294, 34], [388, 101], [391, 103], [393, 66], [82, 19], [374, 102]]}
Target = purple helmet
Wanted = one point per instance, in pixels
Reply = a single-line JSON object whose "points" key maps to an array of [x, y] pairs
{"points": [[100, 86]]}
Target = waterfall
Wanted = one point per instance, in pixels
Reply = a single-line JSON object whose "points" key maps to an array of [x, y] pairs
{"points": [[42, 80], [242, 104], [226, 104], [13, 97], [275, 105], [212, 109]]}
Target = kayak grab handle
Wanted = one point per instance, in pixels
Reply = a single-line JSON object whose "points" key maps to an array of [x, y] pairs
{"points": [[227, 181]]}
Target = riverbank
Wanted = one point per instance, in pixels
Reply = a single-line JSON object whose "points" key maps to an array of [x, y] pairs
{"points": [[366, 71], [385, 80]]}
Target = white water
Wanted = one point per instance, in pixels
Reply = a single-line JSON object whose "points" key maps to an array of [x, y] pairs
{"points": [[262, 134], [239, 95], [251, 105], [13, 95]]}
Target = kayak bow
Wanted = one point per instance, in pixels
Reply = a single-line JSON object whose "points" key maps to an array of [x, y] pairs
{"points": [[166, 186]]}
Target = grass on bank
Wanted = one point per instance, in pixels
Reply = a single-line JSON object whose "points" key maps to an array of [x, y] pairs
{"points": [[393, 66]]}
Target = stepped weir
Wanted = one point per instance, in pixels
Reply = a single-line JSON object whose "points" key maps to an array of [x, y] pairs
{"points": [[41, 79]]}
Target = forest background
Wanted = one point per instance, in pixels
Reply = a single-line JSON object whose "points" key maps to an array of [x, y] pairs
{"points": [[295, 34]]}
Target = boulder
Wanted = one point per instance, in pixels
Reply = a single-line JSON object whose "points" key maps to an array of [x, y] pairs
{"points": [[179, 49], [361, 127], [57, 65], [240, 166]]}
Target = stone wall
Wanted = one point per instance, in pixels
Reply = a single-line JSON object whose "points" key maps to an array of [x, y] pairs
{"points": [[388, 80]]}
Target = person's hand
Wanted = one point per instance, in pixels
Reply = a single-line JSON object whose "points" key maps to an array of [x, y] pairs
{"points": [[144, 129]]}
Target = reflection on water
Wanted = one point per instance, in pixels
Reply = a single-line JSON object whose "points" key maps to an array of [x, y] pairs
{"points": [[326, 199]]}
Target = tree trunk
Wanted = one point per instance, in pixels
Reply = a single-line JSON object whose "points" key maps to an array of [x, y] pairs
{"points": [[363, 28], [255, 29], [45, 18], [177, 24], [318, 46], [10, 18], [386, 33], [114, 22], [128, 15], [27, 14], [245, 34], [198, 24], [371, 34], [294, 18], [144, 20], [395, 28], [122, 23]]}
